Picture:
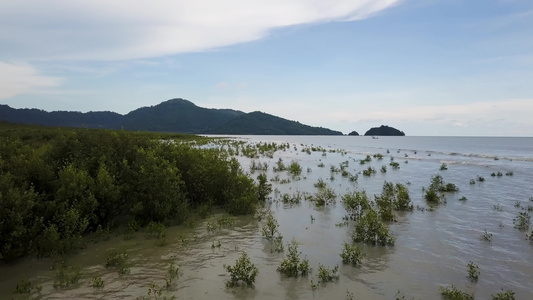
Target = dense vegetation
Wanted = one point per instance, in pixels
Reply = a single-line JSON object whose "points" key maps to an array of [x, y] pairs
{"points": [[265, 124], [175, 115], [384, 131], [58, 184]]}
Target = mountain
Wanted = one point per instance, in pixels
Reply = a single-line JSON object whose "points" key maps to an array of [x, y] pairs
{"points": [[384, 131], [175, 115], [354, 133], [100, 119], [259, 123], [178, 115]]}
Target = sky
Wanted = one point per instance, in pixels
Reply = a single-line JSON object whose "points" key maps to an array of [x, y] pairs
{"points": [[426, 67]]}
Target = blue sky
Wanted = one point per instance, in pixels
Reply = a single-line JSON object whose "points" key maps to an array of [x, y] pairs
{"points": [[427, 67]]}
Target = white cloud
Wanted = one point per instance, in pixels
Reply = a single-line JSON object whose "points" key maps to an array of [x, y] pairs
{"points": [[22, 78], [129, 29]]}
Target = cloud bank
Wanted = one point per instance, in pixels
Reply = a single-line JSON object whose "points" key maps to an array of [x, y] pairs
{"points": [[132, 29], [22, 78]]}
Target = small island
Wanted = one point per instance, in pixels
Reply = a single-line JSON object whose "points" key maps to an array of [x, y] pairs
{"points": [[354, 133], [384, 130]]}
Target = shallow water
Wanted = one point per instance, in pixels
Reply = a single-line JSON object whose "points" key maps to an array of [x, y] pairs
{"points": [[432, 247]]}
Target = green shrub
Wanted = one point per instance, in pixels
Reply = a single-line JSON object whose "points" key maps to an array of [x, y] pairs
{"points": [[503, 295], [369, 229], [67, 276], [473, 271], [452, 293], [292, 265], [244, 271], [295, 169], [117, 259], [352, 254], [270, 228], [97, 282], [173, 273], [327, 275], [356, 203]]}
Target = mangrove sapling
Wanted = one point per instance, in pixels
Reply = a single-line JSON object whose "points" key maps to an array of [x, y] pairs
{"points": [[264, 188], [215, 245], [244, 271], [320, 165], [370, 230], [25, 286], [353, 178], [443, 167], [292, 265], [480, 178], [349, 295], [384, 169], [352, 254], [67, 276], [117, 259], [295, 169], [355, 204], [472, 181], [369, 171], [486, 236], [510, 173], [498, 207], [270, 228], [320, 183], [522, 221], [225, 221], [394, 165], [324, 196], [98, 282], [326, 274], [211, 227], [452, 293], [473, 271], [463, 199], [280, 167], [278, 243], [173, 274], [503, 295]]}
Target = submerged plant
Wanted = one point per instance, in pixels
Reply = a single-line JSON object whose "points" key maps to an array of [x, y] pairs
{"points": [[326, 274], [67, 276], [97, 282], [173, 273], [371, 230], [352, 254], [503, 295], [293, 265], [244, 271], [270, 228], [117, 260], [522, 221], [487, 236], [452, 293], [473, 271]]}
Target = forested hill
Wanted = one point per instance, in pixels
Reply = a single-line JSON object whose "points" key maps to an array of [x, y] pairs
{"points": [[178, 115], [175, 115], [265, 124], [384, 130]]}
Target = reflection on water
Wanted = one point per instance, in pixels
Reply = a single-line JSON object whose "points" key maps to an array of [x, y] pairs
{"points": [[432, 247]]}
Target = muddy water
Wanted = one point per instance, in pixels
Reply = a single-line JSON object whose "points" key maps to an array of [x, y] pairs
{"points": [[432, 247]]}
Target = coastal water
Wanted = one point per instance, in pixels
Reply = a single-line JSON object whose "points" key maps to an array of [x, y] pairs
{"points": [[433, 244]]}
